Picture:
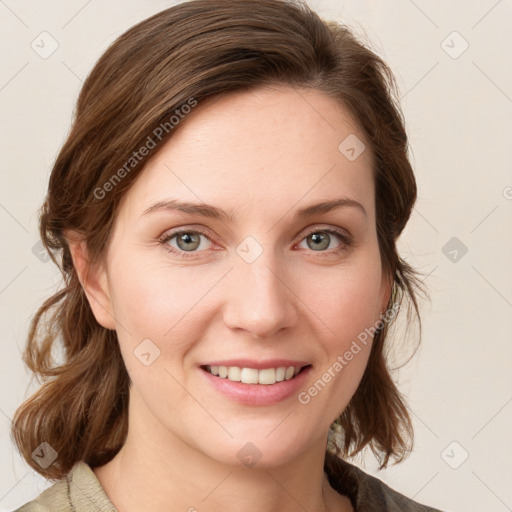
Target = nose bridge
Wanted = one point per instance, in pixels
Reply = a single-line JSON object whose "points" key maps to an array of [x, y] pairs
{"points": [[259, 300]]}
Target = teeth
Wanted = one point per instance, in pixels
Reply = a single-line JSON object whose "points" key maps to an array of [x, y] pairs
{"points": [[234, 374], [253, 376]]}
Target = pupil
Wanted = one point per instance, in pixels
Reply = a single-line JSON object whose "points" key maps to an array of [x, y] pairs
{"points": [[189, 241], [319, 240]]}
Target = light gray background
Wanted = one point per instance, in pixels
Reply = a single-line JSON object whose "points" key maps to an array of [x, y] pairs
{"points": [[458, 108]]}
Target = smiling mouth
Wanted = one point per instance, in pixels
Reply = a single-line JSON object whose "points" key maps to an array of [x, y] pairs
{"points": [[266, 376]]}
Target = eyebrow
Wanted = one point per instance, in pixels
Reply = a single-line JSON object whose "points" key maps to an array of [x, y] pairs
{"points": [[207, 210]]}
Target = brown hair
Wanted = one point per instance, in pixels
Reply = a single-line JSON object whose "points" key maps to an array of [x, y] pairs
{"points": [[197, 50]]}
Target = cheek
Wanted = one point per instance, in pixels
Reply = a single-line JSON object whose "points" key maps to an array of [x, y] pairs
{"points": [[158, 310], [348, 306], [347, 299], [165, 302], [157, 301]]}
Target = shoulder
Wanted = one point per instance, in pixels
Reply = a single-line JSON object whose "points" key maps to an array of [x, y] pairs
{"points": [[367, 493], [80, 490], [53, 498]]}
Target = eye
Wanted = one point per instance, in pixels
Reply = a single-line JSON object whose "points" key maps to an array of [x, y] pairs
{"points": [[187, 242], [320, 239]]}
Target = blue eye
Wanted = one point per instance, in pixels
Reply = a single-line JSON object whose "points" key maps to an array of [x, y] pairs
{"points": [[321, 239], [189, 243]]}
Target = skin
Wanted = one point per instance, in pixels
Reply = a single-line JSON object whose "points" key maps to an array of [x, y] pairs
{"points": [[262, 155]]}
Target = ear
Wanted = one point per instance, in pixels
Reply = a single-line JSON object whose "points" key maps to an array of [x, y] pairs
{"points": [[387, 289], [93, 279]]}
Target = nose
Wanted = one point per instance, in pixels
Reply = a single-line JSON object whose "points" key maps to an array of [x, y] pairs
{"points": [[260, 300]]}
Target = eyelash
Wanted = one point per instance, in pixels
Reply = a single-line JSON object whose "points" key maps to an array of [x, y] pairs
{"points": [[166, 237]]}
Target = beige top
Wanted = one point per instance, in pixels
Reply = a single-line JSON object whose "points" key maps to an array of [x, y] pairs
{"points": [[81, 491]]}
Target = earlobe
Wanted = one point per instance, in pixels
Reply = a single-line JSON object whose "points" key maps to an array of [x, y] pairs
{"points": [[93, 279]]}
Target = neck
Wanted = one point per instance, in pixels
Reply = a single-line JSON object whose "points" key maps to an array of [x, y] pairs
{"points": [[156, 468]]}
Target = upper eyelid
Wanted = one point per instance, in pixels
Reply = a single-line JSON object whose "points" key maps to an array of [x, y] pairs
{"points": [[314, 228], [171, 233]]}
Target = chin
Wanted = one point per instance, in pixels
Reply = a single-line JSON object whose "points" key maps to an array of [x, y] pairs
{"points": [[260, 453]]}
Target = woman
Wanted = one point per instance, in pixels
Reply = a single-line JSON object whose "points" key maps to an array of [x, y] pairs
{"points": [[225, 213]]}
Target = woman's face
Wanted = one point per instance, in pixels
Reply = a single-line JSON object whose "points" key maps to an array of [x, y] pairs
{"points": [[257, 286]]}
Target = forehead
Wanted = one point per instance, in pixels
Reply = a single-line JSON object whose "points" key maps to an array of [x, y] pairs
{"points": [[271, 147]]}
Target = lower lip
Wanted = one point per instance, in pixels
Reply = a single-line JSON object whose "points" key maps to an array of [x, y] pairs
{"points": [[258, 394]]}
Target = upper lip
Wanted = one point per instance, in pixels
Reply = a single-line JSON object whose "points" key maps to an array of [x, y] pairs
{"points": [[257, 365]]}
